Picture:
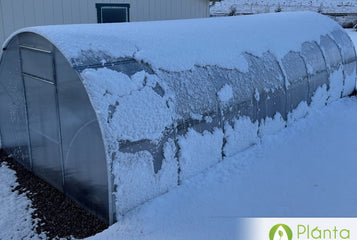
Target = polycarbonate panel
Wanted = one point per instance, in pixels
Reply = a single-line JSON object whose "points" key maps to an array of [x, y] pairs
{"points": [[46, 159], [191, 97], [294, 67], [331, 52], [296, 75], [37, 63], [13, 118], [266, 77], [241, 103], [243, 93], [275, 87], [345, 44], [266, 71], [32, 40], [85, 166], [316, 81], [129, 67], [44, 130], [349, 59], [316, 67], [276, 103], [260, 104], [41, 99], [241, 85], [314, 59], [245, 108], [350, 68], [85, 169]]}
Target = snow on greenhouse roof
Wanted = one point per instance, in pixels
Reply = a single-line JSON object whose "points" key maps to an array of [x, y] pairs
{"points": [[181, 44]]}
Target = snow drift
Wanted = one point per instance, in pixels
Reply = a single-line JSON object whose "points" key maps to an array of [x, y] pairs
{"points": [[124, 112]]}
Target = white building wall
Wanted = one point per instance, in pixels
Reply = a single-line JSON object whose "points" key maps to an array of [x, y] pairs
{"points": [[16, 14]]}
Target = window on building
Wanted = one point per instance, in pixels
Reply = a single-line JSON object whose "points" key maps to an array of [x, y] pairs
{"points": [[112, 13]]}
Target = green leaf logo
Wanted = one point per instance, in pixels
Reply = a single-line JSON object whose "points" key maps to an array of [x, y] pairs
{"points": [[280, 232]]}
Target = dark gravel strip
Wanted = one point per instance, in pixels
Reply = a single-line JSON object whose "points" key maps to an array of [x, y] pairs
{"points": [[58, 216]]}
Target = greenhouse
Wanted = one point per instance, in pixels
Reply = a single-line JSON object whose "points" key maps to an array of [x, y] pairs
{"points": [[114, 115]]}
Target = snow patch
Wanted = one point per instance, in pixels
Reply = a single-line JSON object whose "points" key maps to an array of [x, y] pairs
{"points": [[15, 210], [256, 95], [196, 116], [350, 81], [138, 79], [225, 94], [270, 126], [310, 69], [141, 115], [199, 151], [241, 136], [319, 98], [136, 181], [208, 119], [107, 81], [336, 85], [129, 110], [300, 112]]}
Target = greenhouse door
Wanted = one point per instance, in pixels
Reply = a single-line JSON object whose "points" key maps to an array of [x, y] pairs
{"points": [[42, 110]]}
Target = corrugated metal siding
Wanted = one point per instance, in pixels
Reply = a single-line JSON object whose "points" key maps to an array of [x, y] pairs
{"points": [[175, 9], [6, 14], [15, 14], [29, 5], [2, 33]]}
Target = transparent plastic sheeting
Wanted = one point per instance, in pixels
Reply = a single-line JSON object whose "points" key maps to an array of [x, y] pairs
{"points": [[115, 132]]}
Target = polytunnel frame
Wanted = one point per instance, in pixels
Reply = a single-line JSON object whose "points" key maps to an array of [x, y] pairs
{"points": [[38, 43], [290, 80]]}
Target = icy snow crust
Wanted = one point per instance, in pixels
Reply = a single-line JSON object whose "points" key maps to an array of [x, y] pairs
{"points": [[168, 93]]}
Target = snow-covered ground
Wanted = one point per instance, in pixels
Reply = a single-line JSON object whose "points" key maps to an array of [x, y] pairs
{"points": [[264, 6], [307, 169], [15, 209]]}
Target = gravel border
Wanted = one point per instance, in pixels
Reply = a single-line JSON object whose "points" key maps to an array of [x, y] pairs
{"points": [[57, 215]]}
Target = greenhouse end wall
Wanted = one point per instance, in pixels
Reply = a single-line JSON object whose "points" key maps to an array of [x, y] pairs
{"points": [[48, 124]]}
